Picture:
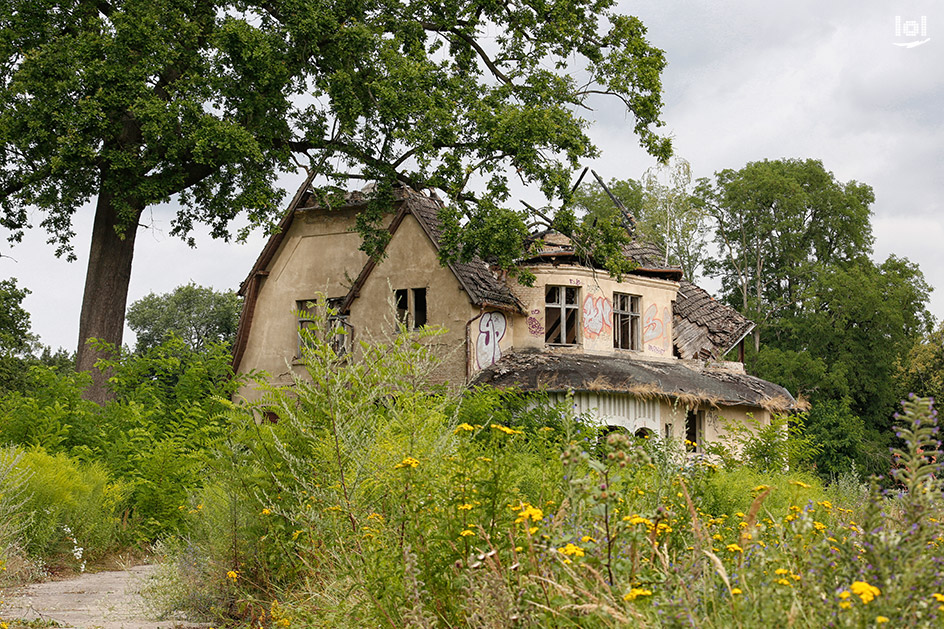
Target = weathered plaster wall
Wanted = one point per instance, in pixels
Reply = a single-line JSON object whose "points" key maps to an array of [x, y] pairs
{"points": [[316, 254], [596, 310], [412, 262], [717, 423], [663, 418]]}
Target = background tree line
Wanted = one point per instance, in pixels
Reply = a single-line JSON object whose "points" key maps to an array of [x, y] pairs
{"points": [[792, 248]]}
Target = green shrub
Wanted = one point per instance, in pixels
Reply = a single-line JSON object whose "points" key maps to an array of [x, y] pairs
{"points": [[70, 505]]}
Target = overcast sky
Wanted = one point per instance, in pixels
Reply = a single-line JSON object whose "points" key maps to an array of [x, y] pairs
{"points": [[746, 81]]}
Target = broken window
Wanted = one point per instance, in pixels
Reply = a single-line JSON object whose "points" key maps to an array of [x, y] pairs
{"points": [[337, 331], [560, 315], [411, 307], [626, 321], [694, 431]]}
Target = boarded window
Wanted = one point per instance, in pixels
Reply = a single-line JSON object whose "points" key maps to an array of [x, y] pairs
{"points": [[561, 311], [626, 321]]}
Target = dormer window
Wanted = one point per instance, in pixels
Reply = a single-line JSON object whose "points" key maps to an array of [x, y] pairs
{"points": [[561, 307], [626, 321]]}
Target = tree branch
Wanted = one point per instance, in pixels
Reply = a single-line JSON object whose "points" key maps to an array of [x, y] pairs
{"points": [[472, 44]]}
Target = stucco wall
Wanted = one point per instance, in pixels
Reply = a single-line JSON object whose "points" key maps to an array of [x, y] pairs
{"points": [[412, 262], [316, 254], [596, 290]]}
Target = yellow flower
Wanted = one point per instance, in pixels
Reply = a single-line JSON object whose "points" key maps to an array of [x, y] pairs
{"points": [[463, 426], [465, 507], [734, 548], [571, 550], [635, 593], [528, 511], [635, 519], [880, 619], [407, 462], [232, 575], [506, 430], [587, 538], [819, 526], [266, 512], [736, 591], [800, 483], [466, 533], [783, 582], [781, 571], [845, 605], [938, 597], [760, 488], [864, 591]]}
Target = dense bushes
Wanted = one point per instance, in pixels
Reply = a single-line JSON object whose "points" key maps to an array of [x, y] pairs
{"points": [[123, 472]]}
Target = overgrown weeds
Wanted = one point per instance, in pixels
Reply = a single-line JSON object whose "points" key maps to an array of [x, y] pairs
{"points": [[373, 501]]}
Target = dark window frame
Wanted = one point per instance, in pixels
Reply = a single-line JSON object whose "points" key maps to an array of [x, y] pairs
{"points": [[562, 315], [695, 431], [339, 332], [411, 306], [627, 317]]}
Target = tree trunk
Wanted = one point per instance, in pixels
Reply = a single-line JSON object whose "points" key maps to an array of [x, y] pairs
{"points": [[106, 292]]}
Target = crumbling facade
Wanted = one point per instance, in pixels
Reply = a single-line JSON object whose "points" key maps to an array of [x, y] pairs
{"points": [[643, 352]]}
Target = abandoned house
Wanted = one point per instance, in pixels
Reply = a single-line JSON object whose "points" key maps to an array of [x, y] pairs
{"points": [[643, 353]]}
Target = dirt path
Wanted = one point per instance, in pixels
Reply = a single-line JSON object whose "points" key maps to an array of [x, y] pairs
{"points": [[103, 600]]}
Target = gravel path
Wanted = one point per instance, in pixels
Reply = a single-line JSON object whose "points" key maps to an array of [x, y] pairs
{"points": [[103, 600]]}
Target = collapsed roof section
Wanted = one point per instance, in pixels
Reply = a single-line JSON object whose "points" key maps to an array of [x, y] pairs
{"points": [[703, 328], [688, 382]]}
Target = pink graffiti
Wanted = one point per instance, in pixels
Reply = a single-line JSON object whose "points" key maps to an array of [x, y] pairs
{"points": [[654, 329], [652, 326], [492, 327], [597, 316]]}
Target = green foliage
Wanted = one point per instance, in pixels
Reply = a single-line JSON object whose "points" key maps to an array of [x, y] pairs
{"points": [[72, 507], [155, 438], [372, 501], [921, 371], [138, 102], [778, 223], [672, 219], [841, 435], [15, 337], [784, 443], [199, 315]]}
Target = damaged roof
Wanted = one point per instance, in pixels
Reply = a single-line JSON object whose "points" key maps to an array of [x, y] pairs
{"points": [[703, 327], [482, 285], [690, 382]]}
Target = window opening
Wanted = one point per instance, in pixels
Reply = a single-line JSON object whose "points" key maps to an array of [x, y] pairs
{"points": [[560, 315], [411, 307], [626, 321], [337, 329], [694, 431]]}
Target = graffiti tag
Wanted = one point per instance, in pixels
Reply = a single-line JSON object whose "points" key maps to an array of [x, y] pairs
{"points": [[597, 316], [492, 327]]}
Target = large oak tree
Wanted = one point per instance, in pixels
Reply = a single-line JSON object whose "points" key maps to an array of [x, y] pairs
{"points": [[130, 103]]}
